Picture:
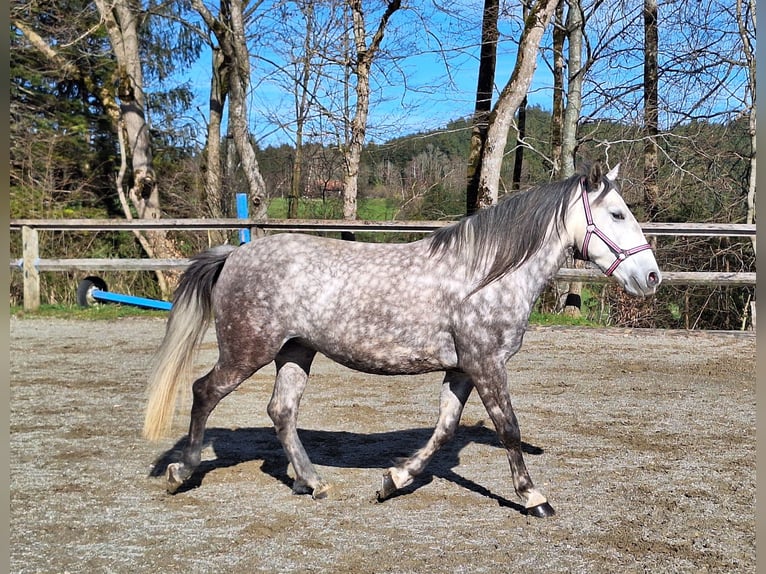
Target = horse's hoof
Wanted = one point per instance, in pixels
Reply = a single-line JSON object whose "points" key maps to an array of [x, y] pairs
{"points": [[387, 489], [543, 510], [301, 487], [322, 491], [175, 477]]}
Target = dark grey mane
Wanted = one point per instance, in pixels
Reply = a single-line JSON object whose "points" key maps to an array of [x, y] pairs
{"points": [[507, 233]]}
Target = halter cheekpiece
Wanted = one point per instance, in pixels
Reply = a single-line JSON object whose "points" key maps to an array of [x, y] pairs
{"points": [[592, 229]]}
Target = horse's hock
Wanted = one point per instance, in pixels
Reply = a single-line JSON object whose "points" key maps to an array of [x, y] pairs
{"points": [[643, 440]]}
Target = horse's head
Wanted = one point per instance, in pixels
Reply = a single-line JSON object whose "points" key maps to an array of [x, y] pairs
{"points": [[606, 232]]}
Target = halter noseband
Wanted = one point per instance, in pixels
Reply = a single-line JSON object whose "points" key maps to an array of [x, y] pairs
{"points": [[591, 229]]}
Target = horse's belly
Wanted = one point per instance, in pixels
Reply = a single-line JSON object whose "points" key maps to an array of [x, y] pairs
{"points": [[390, 359]]}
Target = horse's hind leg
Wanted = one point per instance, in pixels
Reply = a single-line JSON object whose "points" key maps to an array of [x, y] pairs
{"points": [[207, 391], [293, 365], [455, 391]]}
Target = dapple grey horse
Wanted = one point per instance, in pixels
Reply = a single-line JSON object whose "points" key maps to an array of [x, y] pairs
{"points": [[457, 301]]}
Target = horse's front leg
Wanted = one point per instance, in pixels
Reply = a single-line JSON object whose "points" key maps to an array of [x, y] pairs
{"points": [[455, 391], [492, 386]]}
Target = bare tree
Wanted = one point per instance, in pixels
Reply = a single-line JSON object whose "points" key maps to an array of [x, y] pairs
{"points": [[229, 30], [575, 24], [125, 104], [521, 129], [745, 11], [122, 19], [484, 90], [364, 55], [510, 99], [302, 102], [651, 106], [215, 198], [557, 107]]}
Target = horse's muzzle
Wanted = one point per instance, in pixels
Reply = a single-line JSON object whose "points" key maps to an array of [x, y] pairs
{"points": [[651, 283]]}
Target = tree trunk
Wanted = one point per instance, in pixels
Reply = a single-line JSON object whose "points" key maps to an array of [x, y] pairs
{"points": [[301, 113], [483, 106], [521, 132], [518, 160], [229, 30], [651, 113], [749, 53], [238, 110], [364, 57], [297, 174], [143, 190], [510, 99], [121, 19], [573, 107], [574, 26], [214, 188], [557, 112]]}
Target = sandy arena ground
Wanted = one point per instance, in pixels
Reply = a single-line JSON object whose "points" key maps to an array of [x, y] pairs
{"points": [[643, 441]]}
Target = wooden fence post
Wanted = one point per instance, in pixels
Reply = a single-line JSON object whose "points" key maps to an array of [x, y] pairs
{"points": [[29, 269], [752, 315]]}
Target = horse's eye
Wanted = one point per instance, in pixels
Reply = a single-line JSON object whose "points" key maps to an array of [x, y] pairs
{"points": [[618, 215]]}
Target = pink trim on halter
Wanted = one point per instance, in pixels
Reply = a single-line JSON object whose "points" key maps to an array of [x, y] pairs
{"points": [[591, 229]]}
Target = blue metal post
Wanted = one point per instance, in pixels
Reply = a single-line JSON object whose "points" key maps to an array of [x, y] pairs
{"points": [[242, 213]]}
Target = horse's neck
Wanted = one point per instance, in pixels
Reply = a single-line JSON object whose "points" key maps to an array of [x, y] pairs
{"points": [[551, 256], [530, 279]]}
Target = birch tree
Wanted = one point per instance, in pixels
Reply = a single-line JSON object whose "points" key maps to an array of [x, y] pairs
{"points": [[511, 97], [745, 14]]}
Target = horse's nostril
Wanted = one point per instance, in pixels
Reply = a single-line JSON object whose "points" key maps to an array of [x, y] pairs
{"points": [[653, 279]]}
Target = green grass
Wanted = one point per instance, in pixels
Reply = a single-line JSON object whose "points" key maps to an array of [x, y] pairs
{"points": [[107, 311], [373, 209], [549, 319]]}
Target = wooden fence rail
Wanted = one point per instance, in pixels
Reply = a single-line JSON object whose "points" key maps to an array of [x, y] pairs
{"points": [[30, 264], [335, 225]]}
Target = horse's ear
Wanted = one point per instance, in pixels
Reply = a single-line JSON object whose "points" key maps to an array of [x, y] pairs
{"points": [[612, 175], [594, 176]]}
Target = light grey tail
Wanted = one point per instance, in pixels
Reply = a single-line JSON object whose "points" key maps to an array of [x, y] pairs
{"points": [[189, 319]]}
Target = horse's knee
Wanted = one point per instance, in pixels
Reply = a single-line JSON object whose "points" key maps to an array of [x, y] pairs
{"points": [[278, 414]]}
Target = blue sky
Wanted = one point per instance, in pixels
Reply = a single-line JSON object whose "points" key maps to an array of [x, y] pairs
{"points": [[429, 102]]}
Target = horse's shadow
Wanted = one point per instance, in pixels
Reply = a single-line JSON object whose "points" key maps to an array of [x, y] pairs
{"points": [[340, 449]]}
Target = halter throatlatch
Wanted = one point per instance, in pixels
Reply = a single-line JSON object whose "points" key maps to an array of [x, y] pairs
{"points": [[591, 229]]}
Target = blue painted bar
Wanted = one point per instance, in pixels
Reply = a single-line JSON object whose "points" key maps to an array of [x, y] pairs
{"points": [[99, 295], [242, 213]]}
